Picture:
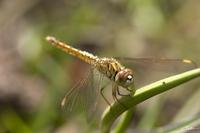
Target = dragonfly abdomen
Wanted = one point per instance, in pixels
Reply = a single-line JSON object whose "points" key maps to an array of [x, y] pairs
{"points": [[83, 55], [108, 66]]}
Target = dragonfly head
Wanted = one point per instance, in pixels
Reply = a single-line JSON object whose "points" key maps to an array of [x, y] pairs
{"points": [[125, 78]]}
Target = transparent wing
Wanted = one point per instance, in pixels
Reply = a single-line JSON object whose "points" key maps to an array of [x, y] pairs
{"points": [[84, 96], [148, 70], [93, 99]]}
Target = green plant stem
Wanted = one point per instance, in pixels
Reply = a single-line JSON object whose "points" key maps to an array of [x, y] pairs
{"points": [[146, 92], [124, 121]]}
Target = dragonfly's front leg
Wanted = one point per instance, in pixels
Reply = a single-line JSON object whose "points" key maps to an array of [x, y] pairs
{"points": [[120, 94], [115, 91], [101, 91], [129, 90]]}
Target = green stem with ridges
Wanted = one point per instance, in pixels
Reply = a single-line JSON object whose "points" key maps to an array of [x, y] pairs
{"points": [[142, 94], [124, 121]]}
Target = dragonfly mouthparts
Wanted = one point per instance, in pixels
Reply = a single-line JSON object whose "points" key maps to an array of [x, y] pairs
{"points": [[51, 39]]}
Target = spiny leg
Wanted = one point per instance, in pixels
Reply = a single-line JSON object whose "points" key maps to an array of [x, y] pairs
{"points": [[114, 93], [120, 94], [101, 90], [129, 90], [115, 89]]}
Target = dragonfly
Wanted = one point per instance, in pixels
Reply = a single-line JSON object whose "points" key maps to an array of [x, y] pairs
{"points": [[120, 75]]}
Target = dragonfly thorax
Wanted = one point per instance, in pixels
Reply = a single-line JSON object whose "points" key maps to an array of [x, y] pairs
{"points": [[109, 67]]}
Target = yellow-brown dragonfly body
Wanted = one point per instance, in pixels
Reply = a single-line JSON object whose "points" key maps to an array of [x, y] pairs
{"points": [[110, 67]]}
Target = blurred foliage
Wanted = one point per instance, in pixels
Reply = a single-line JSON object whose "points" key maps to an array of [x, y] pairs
{"points": [[35, 76]]}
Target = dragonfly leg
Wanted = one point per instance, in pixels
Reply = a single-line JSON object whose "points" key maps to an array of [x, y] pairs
{"points": [[115, 89], [102, 89], [120, 94], [128, 89], [114, 93]]}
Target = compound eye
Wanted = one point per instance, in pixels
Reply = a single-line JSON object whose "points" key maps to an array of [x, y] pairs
{"points": [[129, 79]]}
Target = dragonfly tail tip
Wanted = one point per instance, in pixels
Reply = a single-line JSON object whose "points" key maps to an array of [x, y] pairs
{"points": [[51, 39]]}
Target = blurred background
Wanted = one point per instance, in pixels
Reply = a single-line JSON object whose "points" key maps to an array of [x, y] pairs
{"points": [[34, 76]]}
